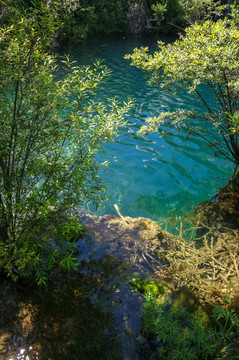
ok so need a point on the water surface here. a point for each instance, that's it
(151, 176)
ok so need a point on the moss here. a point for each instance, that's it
(153, 286)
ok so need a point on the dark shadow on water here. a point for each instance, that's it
(81, 315)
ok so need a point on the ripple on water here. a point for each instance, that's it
(179, 163)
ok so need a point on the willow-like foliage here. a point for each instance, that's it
(50, 131)
(204, 62)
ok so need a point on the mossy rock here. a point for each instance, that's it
(154, 287)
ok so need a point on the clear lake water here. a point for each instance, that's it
(149, 176)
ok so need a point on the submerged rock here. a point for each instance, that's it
(137, 241)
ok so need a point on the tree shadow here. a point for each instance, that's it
(73, 317)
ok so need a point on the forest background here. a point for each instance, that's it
(81, 18)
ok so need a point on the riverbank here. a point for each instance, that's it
(94, 311)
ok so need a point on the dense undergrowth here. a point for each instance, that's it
(178, 334)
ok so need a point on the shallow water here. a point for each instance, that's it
(92, 313)
(149, 176)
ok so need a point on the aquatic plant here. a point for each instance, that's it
(208, 265)
(178, 334)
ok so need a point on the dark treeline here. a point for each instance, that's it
(80, 18)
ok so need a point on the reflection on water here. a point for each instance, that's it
(26, 354)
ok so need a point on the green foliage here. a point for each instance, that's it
(183, 335)
(82, 18)
(78, 19)
(110, 15)
(199, 10)
(50, 131)
(169, 15)
(158, 12)
(204, 61)
(236, 13)
(225, 331)
(180, 334)
(172, 16)
(154, 287)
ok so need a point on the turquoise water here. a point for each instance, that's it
(149, 176)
